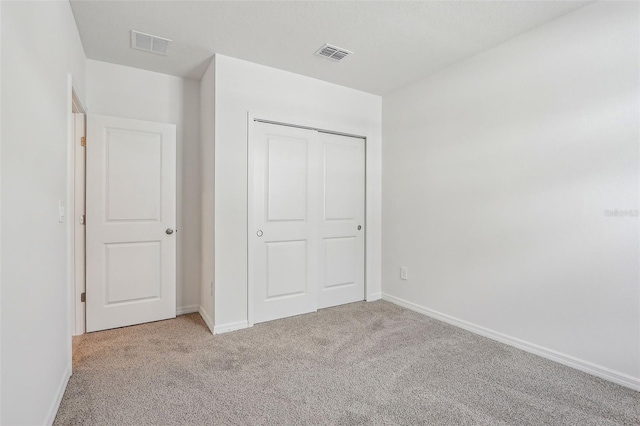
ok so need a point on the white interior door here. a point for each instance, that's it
(284, 238)
(130, 221)
(342, 222)
(307, 201)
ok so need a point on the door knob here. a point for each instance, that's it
(359, 227)
(259, 233)
(169, 231)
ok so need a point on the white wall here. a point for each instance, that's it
(134, 93)
(242, 87)
(207, 153)
(0, 210)
(497, 174)
(40, 47)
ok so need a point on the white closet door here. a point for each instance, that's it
(284, 238)
(342, 223)
(131, 216)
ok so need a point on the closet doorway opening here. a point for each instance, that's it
(306, 219)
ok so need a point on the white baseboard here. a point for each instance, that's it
(206, 318)
(232, 326)
(373, 297)
(51, 416)
(182, 310)
(570, 361)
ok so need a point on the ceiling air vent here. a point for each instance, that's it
(333, 52)
(149, 43)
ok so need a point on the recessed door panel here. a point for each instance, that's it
(340, 264)
(287, 178)
(133, 272)
(342, 192)
(133, 175)
(286, 269)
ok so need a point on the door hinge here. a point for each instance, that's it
(83, 141)
(83, 297)
(82, 219)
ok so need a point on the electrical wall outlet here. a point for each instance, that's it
(403, 272)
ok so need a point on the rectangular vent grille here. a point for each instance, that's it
(333, 52)
(149, 43)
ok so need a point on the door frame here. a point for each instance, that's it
(79, 250)
(76, 308)
(252, 118)
(74, 106)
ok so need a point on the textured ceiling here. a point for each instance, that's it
(394, 43)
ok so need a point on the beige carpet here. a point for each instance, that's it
(359, 364)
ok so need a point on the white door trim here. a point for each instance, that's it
(74, 105)
(252, 117)
(76, 209)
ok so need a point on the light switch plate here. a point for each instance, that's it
(403, 272)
